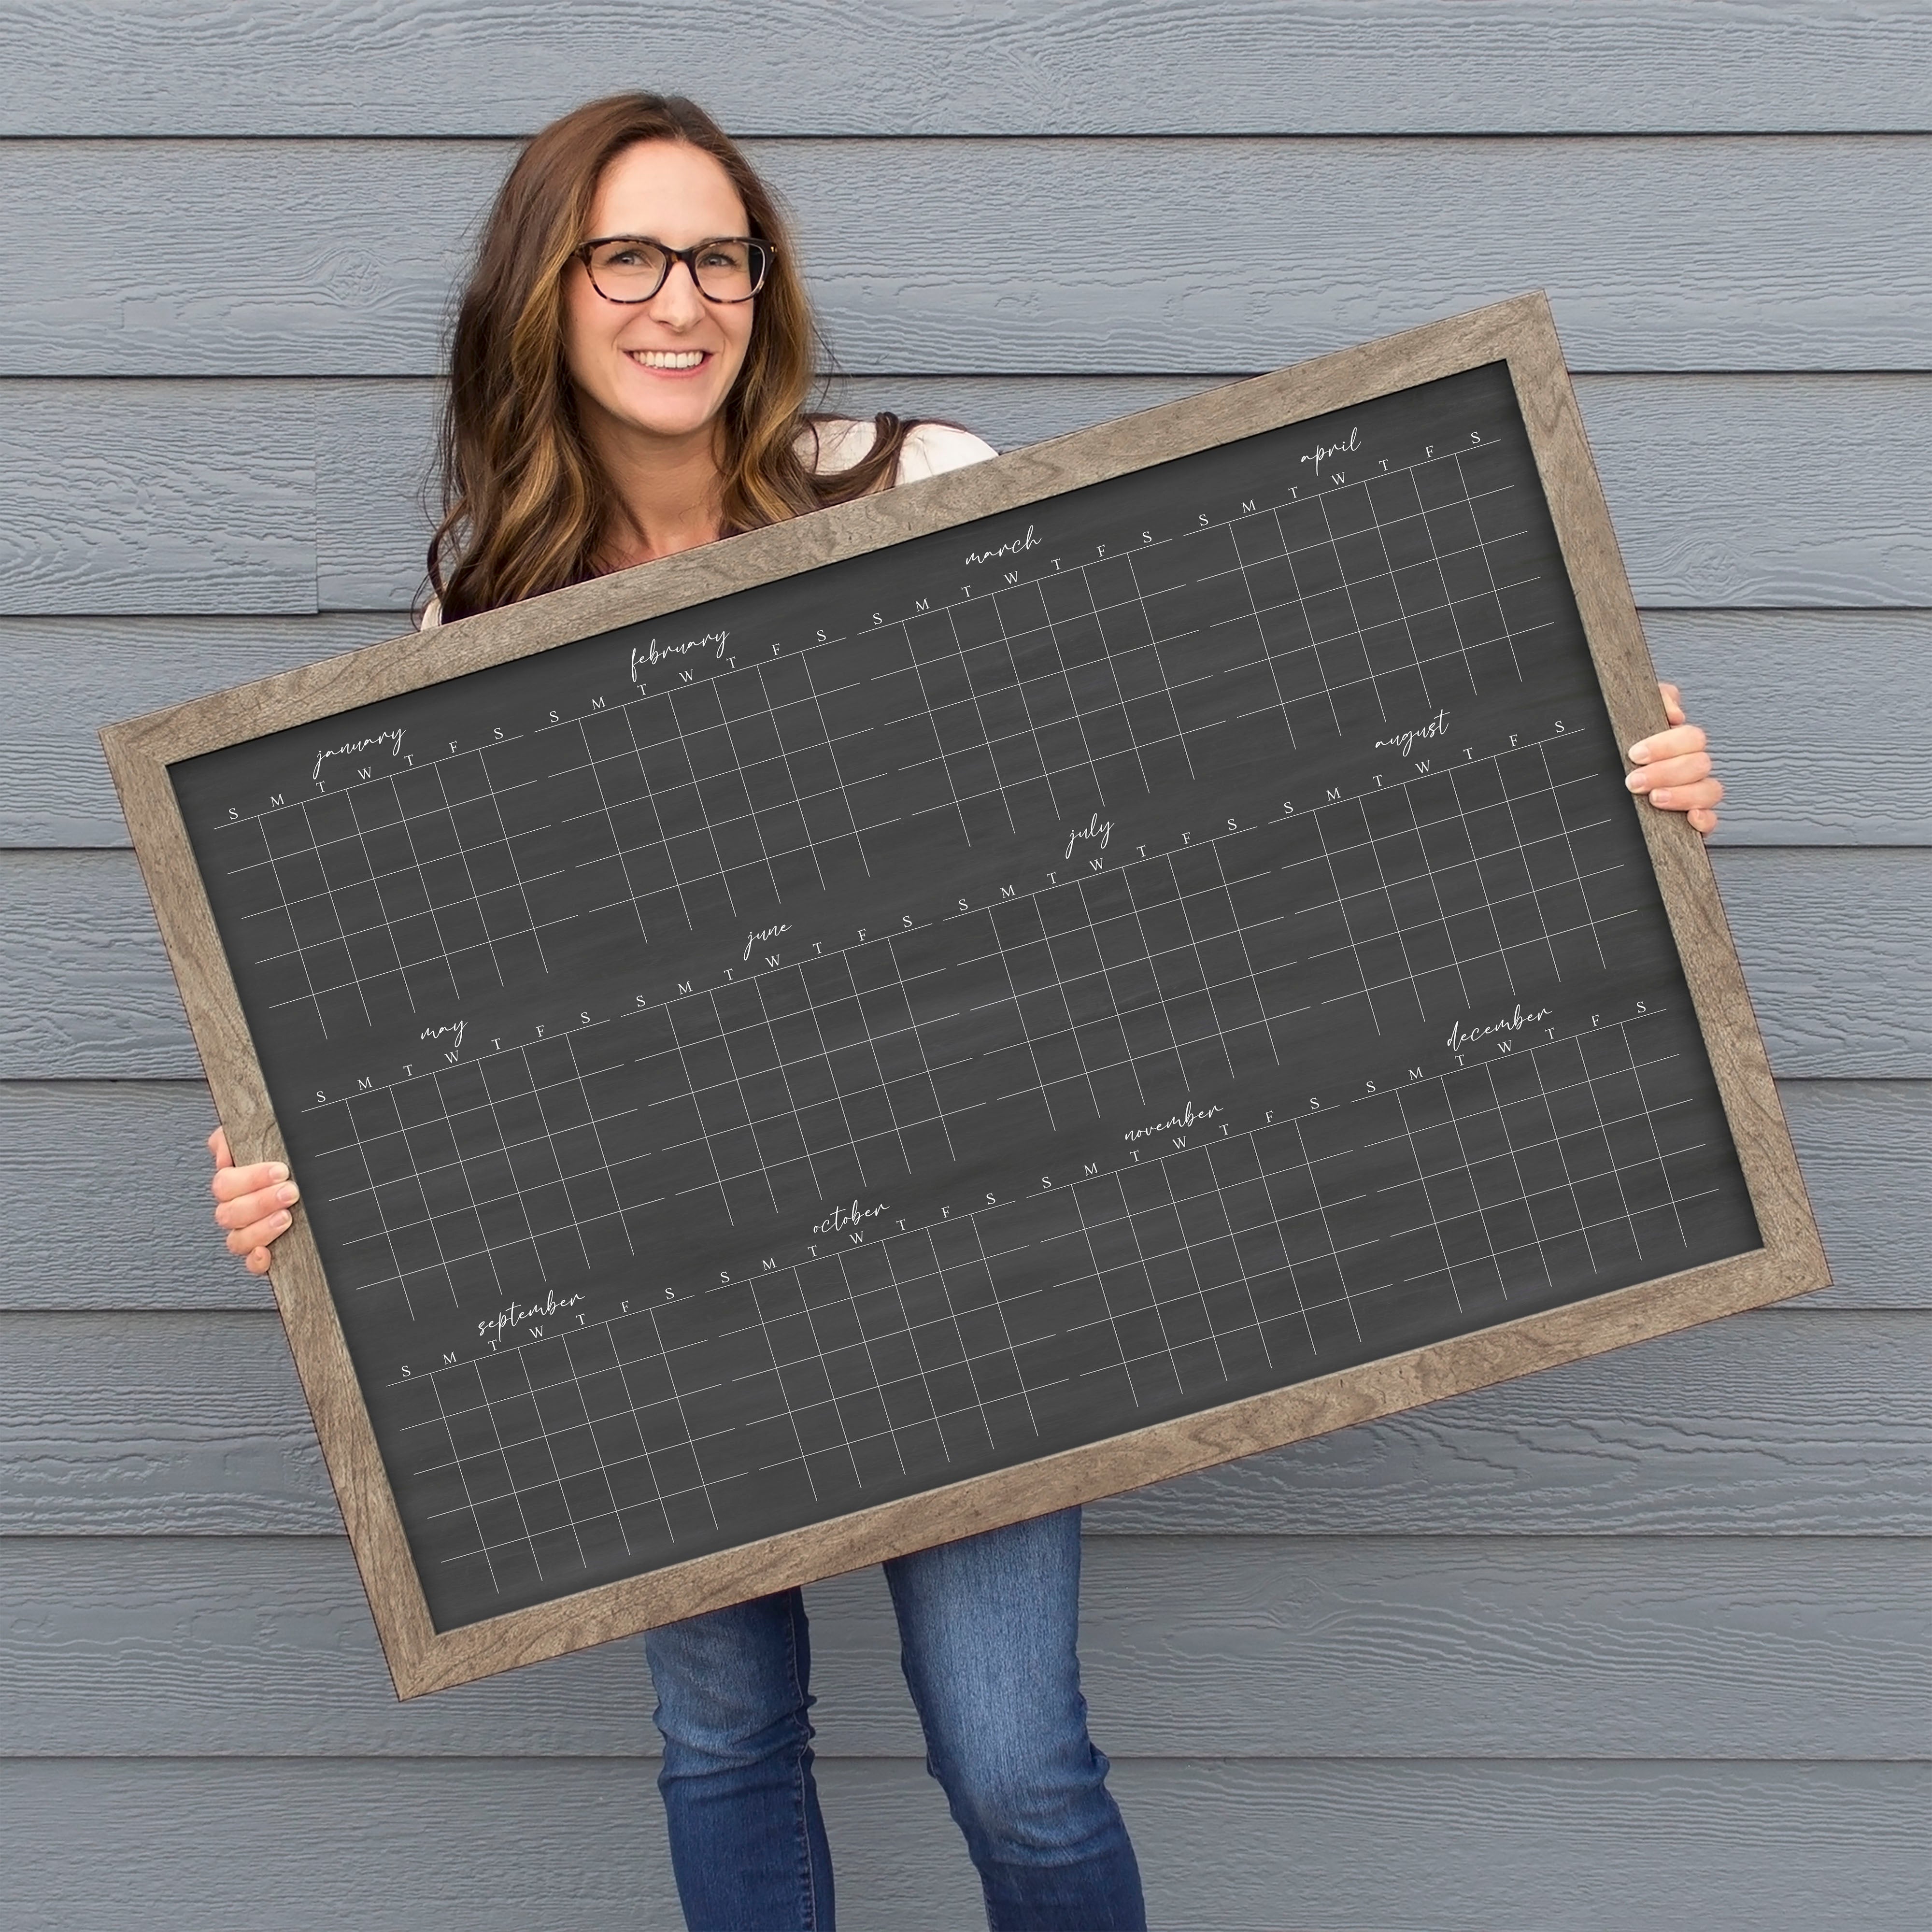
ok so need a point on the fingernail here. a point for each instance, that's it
(286, 1195)
(277, 1171)
(1639, 751)
(1662, 799)
(279, 1221)
(1636, 781)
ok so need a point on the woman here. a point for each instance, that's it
(629, 369)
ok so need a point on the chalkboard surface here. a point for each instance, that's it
(1056, 974)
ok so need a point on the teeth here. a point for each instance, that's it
(666, 358)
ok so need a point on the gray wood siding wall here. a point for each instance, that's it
(1634, 1645)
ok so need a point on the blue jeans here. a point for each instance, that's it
(987, 1632)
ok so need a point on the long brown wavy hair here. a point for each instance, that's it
(525, 506)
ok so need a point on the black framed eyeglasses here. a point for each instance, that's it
(633, 268)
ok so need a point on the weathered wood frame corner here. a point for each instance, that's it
(422, 1658)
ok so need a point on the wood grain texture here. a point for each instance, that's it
(1778, 1423)
(91, 523)
(280, 258)
(1832, 942)
(1866, 1147)
(899, 68)
(1770, 490)
(1454, 1846)
(1249, 1647)
(1796, 703)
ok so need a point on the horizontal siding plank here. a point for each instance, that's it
(119, 1425)
(1835, 958)
(93, 517)
(204, 1846)
(327, 258)
(126, 1425)
(1245, 1647)
(1763, 1425)
(148, 1137)
(1740, 491)
(66, 677)
(86, 989)
(1832, 941)
(1866, 1147)
(1095, 66)
(1820, 719)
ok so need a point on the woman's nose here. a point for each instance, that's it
(678, 302)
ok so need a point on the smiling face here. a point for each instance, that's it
(657, 373)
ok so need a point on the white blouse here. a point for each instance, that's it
(930, 449)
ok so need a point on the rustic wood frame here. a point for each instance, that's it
(1792, 1262)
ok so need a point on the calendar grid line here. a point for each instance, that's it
(1306, 1310)
(892, 1431)
(622, 852)
(932, 711)
(785, 755)
(1224, 523)
(928, 710)
(1160, 664)
(1482, 549)
(1434, 876)
(1585, 1227)
(1234, 1249)
(1330, 688)
(1369, 988)
(523, 885)
(872, 1039)
(535, 928)
(1190, 1249)
(1212, 839)
(824, 726)
(1354, 614)
(1075, 710)
(784, 1074)
(924, 1373)
(1648, 1113)
(1289, 552)
(1127, 1362)
(1000, 1304)
(469, 1495)
(1336, 1248)
(335, 914)
(1434, 1225)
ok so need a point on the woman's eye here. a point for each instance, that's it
(723, 258)
(627, 256)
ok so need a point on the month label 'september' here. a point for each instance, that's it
(1036, 980)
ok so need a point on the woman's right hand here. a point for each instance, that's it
(252, 1203)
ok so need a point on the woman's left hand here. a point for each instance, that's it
(1675, 769)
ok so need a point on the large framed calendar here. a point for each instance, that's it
(970, 1001)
